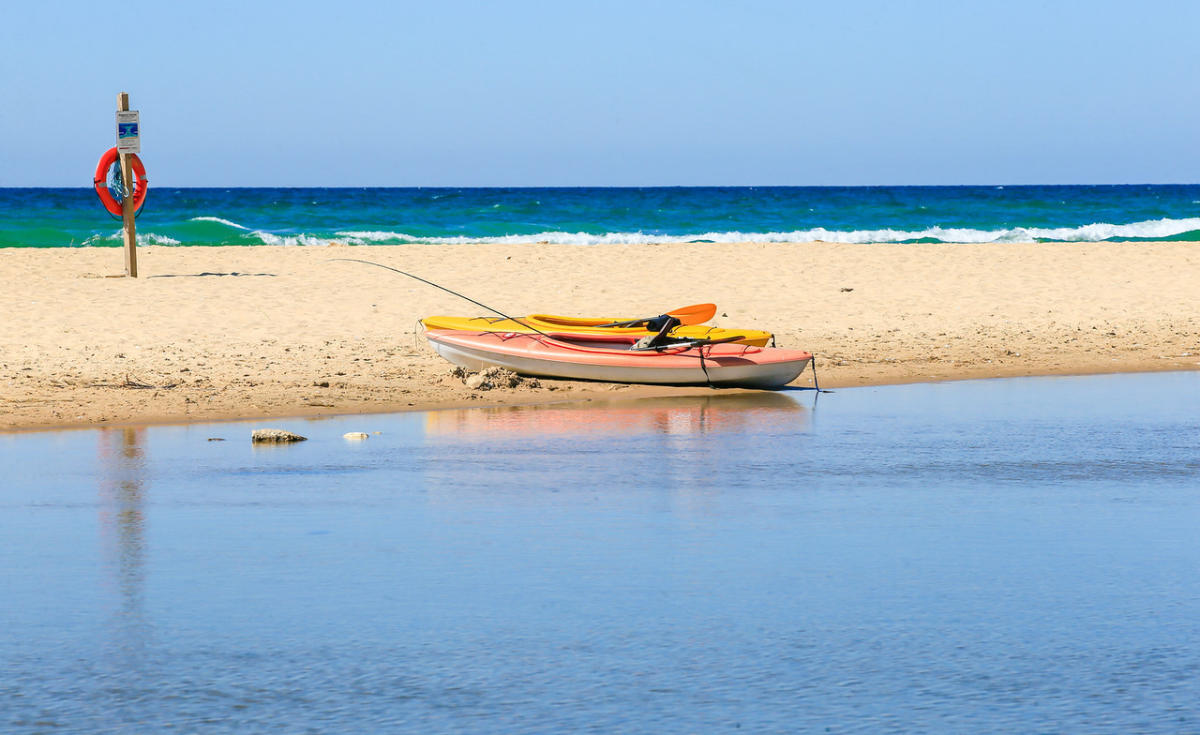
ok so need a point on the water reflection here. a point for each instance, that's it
(666, 416)
(995, 556)
(122, 464)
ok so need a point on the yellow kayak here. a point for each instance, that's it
(578, 325)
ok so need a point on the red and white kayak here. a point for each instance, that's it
(613, 359)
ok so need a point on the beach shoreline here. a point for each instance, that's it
(226, 333)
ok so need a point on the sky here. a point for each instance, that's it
(610, 93)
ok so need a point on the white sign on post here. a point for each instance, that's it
(128, 135)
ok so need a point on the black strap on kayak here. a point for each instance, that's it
(816, 385)
(707, 379)
(699, 344)
(663, 324)
(677, 342)
(637, 322)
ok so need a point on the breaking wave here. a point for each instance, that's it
(143, 238)
(218, 220)
(199, 233)
(1162, 229)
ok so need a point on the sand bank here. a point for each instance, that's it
(227, 332)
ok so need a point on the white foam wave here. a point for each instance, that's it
(219, 220)
(143, 238)
(1162, 229)
(1150, 229)
(268, 238)
(150, 238)
(1155, 229)
(362, 237)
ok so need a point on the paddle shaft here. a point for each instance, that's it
(687, 316)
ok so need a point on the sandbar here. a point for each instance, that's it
(217, 333)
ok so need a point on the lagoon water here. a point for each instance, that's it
(989, 556)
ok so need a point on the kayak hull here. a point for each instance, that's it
(610, 359)
(550, 323)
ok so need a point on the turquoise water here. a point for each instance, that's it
(74, 217)
(985, 557)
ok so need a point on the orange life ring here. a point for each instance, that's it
(100, 181)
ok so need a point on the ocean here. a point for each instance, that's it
(380, 216)
(992, 556)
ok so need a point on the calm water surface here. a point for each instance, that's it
(996, 556)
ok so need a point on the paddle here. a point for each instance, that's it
(694, 314)
(688, 344)
(687, 316)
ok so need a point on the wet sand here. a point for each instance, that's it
(225, 332)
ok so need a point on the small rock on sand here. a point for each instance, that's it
(477, 382)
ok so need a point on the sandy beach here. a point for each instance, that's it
(247, 332)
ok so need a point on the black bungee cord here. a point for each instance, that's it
(454, 293)
(816, 385)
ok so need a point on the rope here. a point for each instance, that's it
(707, 379)
(453, 293)
(116, 186)
(116, 181)
(418, 330)
(816, 385)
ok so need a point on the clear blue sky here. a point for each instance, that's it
(521, 93)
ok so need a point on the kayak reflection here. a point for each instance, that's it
(693, 414)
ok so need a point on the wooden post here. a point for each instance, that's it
(127, 210)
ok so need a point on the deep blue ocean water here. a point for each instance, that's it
(978, 557)
(74, 217)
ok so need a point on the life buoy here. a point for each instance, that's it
(100, 181)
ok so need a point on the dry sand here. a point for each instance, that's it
(229, 332)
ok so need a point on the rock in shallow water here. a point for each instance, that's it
(275, 436)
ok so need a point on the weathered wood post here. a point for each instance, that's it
(125, 146)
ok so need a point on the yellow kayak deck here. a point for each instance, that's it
(579, 325)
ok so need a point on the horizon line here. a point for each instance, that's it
(620, 186)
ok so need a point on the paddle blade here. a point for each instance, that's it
(694, 314)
